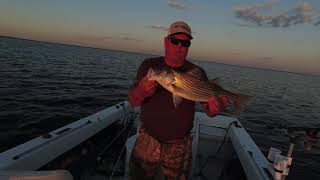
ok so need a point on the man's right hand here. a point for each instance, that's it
(148, 87)
(145, 88)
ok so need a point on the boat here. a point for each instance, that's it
(221, 149)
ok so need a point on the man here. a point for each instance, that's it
(163, 139)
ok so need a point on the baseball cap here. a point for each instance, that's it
(180, 27)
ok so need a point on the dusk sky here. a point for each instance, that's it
(279, 34)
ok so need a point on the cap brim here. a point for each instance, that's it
(181, 33)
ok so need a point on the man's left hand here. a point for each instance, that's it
(216, 104)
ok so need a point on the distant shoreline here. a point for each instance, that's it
(209, 61)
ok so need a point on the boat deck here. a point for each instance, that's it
(217, 164)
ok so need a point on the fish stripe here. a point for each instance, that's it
(196, 72)
(202, 86)
(188, 79)
(194, 82)
(215, 88)
(195, 90)
(185, 94)
(194, 87)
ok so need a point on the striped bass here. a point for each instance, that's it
(181, 84)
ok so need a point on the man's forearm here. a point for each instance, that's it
(135, 96)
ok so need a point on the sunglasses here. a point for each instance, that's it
(184, 43)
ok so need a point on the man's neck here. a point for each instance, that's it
(174, 65)
(177, 68)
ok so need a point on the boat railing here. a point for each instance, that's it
(254, 163)
(37, 152)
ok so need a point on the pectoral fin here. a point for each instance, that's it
(176, 100)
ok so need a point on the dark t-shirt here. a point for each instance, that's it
(159, 117)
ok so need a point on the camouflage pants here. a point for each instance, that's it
(149, 156)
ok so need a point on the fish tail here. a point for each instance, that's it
(240, 101)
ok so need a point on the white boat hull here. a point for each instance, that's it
(208, 134)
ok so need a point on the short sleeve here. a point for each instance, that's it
(143, 69)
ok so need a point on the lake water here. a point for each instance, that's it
(44, 86)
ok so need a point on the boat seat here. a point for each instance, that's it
(36, 175)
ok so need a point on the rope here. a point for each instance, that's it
(129, 127)
(121, 132)
(109, 145)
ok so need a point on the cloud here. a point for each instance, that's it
(177, 5)
(161, 27)
(250, 13)
(302, 13)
